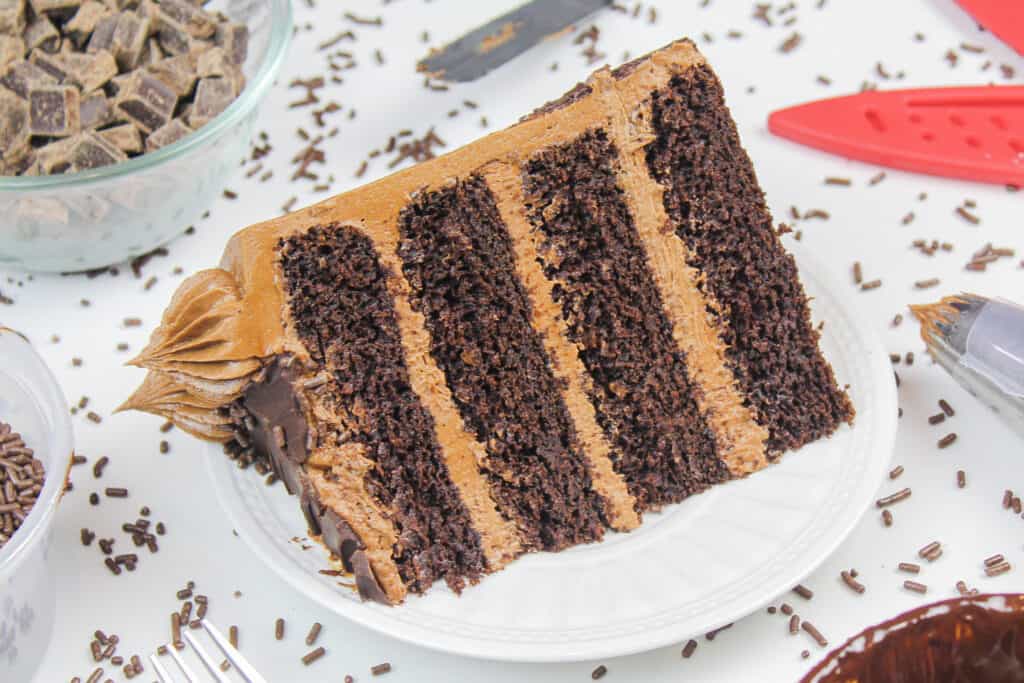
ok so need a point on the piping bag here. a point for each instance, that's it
(980, 342)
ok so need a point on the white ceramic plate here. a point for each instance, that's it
(694, 567)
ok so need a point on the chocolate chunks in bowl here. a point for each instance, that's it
(115, 79)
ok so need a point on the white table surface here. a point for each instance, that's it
(844, 40)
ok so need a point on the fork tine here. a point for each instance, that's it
(234, 656)
(160, 670)
(207, 659)
(189, 676)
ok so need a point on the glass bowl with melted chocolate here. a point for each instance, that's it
(965, 640)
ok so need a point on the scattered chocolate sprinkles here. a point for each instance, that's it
(896, 471)
(887, 517)
(947, 440)
(794, 624)
(967, 215)
(902, 494)
(791, 43)
(910, 567)
(994, 560)
(380, 669)
(689, 649)
(915, 586)
(803, 591)
(850, 581)
(946, 408)
(313, 655)
(997, 569)
(598, 673)
(711, 635)
(314, 633)
(961, 479)
(937, 418)
(814, 633)
(279, 629)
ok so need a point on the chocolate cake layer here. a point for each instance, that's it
(458, 260)
(641, 390)
(344, 315)
(717, 208)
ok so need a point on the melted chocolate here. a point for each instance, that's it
(972, 642)
(271, 403)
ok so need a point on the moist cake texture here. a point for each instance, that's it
(515, 347)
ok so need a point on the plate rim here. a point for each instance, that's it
(374, 617)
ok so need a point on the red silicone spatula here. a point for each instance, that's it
(976, 133)
(1004, 18)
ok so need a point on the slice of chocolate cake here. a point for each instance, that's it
(514, 347)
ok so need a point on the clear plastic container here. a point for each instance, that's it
(85, 220)
(32, 403)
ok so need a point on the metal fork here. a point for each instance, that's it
(234, 656)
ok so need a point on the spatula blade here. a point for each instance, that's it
(495, 43)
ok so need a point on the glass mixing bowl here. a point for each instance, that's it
(85, 220)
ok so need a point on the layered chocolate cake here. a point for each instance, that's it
(514, 347)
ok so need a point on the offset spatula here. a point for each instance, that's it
(1004, 18)
(495, 43)
(975, 133)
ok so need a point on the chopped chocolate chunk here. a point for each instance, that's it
(102, 37)
(197, 22)
(168, 133)
(12, 16)
(173, 38)
(81, 26)
(129, 39)
(51, 64)
(90, 71)
(14, 126)
(178, 73)
(42, 34)
(213, 95)
(92, 151)
(94, 111)
(234, 38)
(53, 111)
(125, 137)
(12, 48)
(22, 76)
(147, 101)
